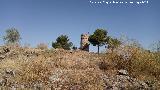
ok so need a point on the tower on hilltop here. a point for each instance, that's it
(84, 44)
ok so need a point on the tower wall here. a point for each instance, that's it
(84, 45)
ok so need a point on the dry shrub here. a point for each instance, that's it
(15, 65)
(109, 61)
(89, 79)
(74, 64)
(36, 71)
(42, 46)
(146, 64)
(73, 60)
(137, 61)
(9, 70)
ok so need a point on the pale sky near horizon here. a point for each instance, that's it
(42, 21)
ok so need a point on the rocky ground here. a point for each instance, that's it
(57, 69)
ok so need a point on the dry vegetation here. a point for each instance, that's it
(58, 69)
(140, 63)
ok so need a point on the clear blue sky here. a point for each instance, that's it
(44, 20)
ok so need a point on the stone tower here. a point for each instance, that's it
(84, 45)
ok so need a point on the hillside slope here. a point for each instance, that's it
(59, 69)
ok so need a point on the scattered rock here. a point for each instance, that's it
(76, 87)
(10, 72)
(38, 86)
(56, 76)
(122, 72)
(6, 49)
(2, 56)
(3, 82)
(123, 82)
(103, 65)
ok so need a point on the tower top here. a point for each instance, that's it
(84, 45)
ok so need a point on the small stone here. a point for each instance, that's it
(71, 52)
(2, 82)
(13, 88)
(10, 71)
(122, 72)
(6, 49)
(2, 56)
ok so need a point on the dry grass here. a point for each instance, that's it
(80, 70)
(138, 62)
(36, 71)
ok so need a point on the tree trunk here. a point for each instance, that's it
(98, 49)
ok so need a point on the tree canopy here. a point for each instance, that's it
(62, 42)
(98, 38)
(12, 36)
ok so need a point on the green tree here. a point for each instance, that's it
(62, 42)
(98, 38)
(12, 36)
(113, 43)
